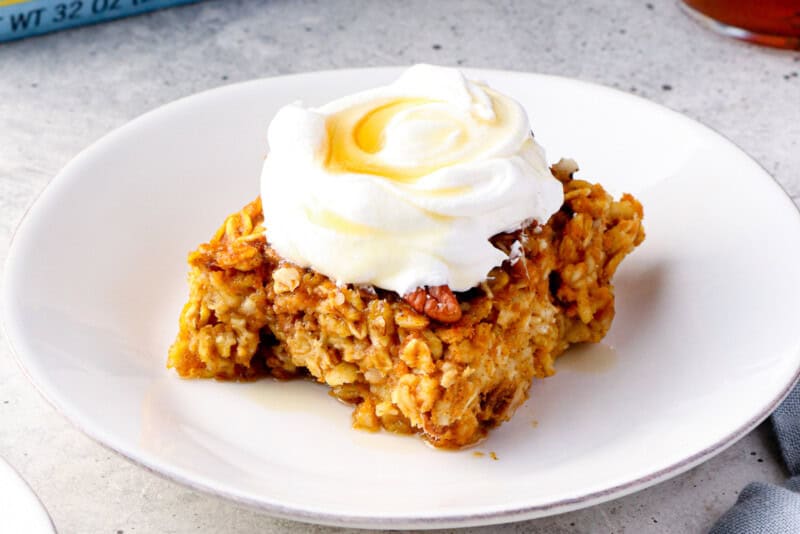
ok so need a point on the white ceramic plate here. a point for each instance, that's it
(21, 509)
(705, 343)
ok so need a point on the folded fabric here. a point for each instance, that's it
(786, 421)
(766, 508)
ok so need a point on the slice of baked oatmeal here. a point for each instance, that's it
(447, 366)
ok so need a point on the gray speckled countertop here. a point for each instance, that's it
(60, 92)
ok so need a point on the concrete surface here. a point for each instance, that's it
(60, 92)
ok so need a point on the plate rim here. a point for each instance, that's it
(517, 513)
(31, 495)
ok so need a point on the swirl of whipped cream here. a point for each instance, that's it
(402, 186)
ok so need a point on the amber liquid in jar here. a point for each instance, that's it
(770, 22)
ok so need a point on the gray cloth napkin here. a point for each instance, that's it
(765, 508)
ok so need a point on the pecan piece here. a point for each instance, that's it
(416, 299)
(437, 302)
(519, 269)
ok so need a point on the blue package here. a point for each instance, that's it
(23, 18)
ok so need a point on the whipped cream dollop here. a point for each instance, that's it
(403, 185)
